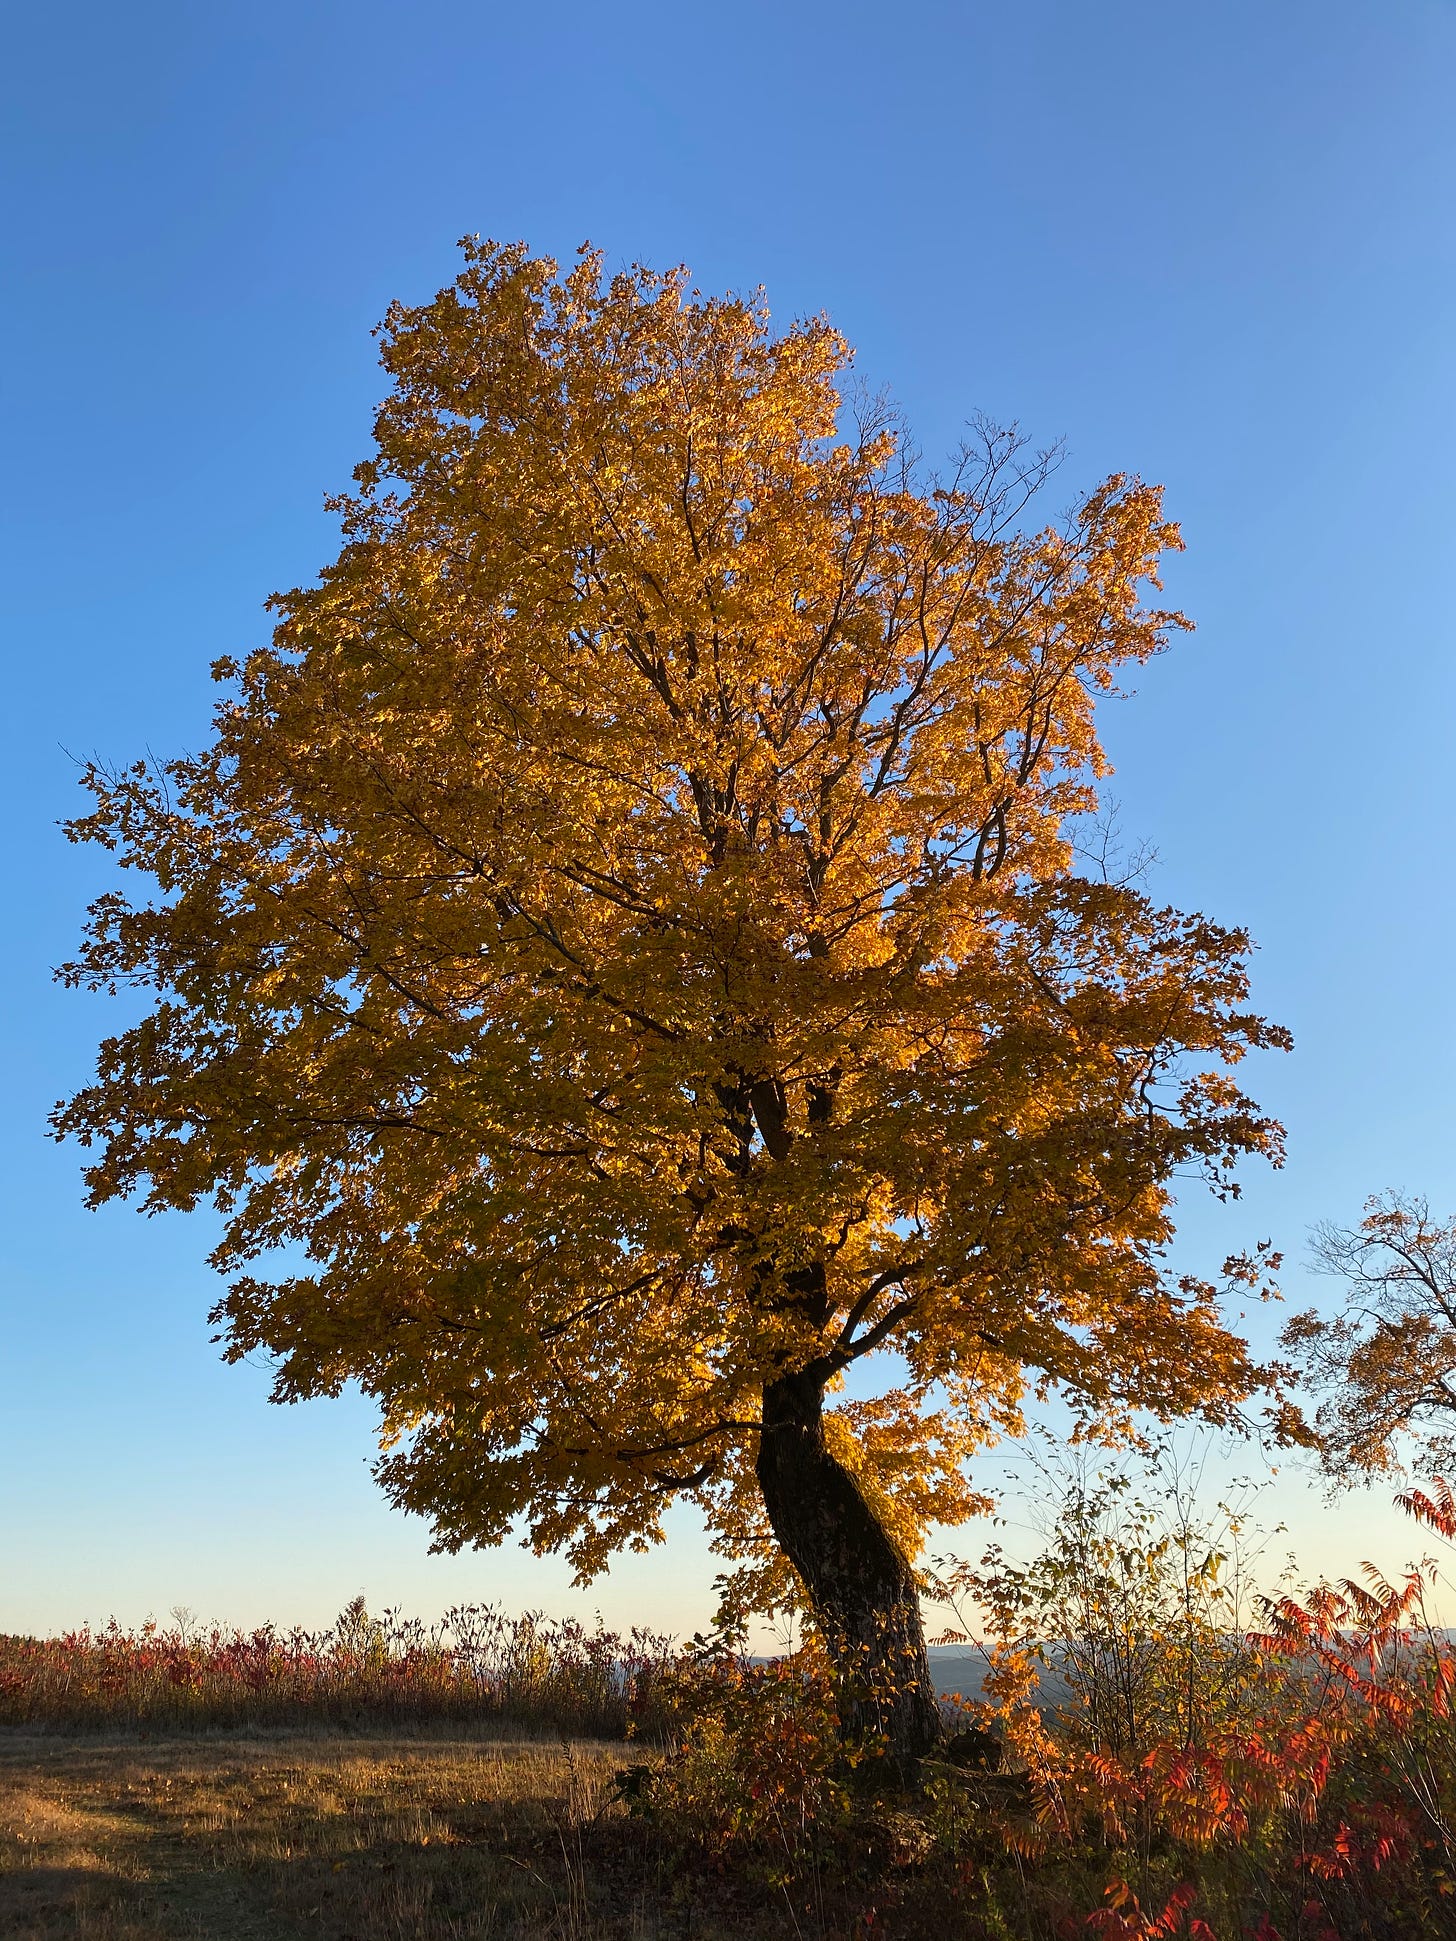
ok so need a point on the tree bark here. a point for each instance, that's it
(859, 1582)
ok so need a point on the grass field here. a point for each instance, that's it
(266, 1836)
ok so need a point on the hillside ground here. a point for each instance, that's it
(262, 1836)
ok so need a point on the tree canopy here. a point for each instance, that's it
(626, 930)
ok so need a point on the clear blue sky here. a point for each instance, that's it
(1212, 244)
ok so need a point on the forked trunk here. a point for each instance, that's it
(859, 1581)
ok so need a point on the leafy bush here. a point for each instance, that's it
(1183, 1755)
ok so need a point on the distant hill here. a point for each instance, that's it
(956, 1668)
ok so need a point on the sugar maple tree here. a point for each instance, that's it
(625, 930)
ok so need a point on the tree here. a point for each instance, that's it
(1385, 1364)
(626, 930)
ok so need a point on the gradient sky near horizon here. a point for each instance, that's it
(1212, 244)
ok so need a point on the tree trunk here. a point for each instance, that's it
(859, 1582)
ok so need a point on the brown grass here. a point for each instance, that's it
(231, 1837)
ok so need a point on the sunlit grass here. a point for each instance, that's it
(309, 1834)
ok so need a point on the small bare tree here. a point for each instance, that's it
(1385, 1366)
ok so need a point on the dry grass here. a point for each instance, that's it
(230, 1837)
